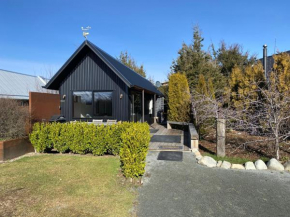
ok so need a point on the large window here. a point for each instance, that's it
(83, 103)
(103, 104)
(89, 104)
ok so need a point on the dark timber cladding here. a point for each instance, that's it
(90, 73)
(103, 86)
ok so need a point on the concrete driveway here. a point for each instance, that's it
(185, 188)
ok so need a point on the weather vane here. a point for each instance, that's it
(85, 31)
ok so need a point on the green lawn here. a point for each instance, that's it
(234, 160)
(64, 185)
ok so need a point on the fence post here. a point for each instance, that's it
(221, 137)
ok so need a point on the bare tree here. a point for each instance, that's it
(265, 113)
(13, 119)
(268, 115)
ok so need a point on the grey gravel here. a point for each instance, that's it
(173, 188)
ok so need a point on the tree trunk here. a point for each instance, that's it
(277, 142)
(277, 148)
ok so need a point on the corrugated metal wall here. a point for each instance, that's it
(90, 73)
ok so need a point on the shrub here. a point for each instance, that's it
(178, 98)
(57, 136)
(129, 140)
(135, 139)
(13, 119)
(79, 144)
(114, 140)
(98, 145)
(40, 138)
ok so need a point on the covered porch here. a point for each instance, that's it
(143, 106)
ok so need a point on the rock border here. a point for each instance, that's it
(272, 164)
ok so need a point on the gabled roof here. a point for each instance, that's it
(17, 86)
(130, 77)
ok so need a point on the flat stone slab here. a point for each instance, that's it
(167, 147)
(153, 130)
(170, 156)
(166, 138)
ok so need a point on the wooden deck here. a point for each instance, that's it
(164, 146)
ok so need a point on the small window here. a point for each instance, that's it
(103, 104)
(82, 105)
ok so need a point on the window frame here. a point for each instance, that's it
(93, 104)
(112, 103)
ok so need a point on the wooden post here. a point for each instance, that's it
(154, 108)
(221, 137)
(143, 102)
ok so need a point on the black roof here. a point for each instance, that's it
(130, 77)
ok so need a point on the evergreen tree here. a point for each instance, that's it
(227, 57)
(201, 86)
(244, 84)
(193, 61)
(178, 98)
(211, 91)
(127, 60)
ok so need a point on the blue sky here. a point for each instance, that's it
(39, 36)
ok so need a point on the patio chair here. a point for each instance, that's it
(97, 121)
(111, 122)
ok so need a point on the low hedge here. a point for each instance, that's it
(129, 140)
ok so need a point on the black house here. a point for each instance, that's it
(94, 85)
(268, 61)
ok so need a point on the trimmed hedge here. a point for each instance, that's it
(135, 146)
(129, 140)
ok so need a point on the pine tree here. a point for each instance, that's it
(201, 86)
(210, 89)
(193, 61)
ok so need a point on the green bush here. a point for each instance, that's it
(136, 140)
(56, 135)
(114, 140)
(40, 138)
(79, 143)
(98, 145)
(129, 140)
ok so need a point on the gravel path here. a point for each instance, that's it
(174, 188)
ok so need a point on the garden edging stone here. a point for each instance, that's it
(250, 166)
(238, 166)
(207, 161)
(272, 164)
(287, 166)
(260, 165)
